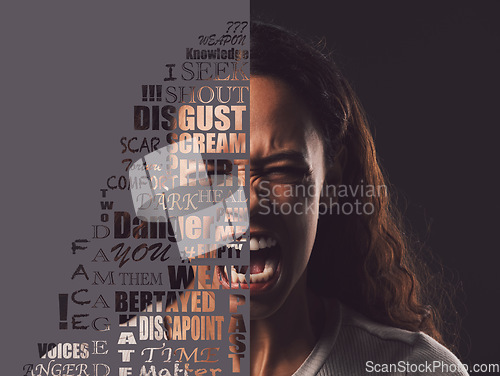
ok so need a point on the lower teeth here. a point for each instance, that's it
(264, 276)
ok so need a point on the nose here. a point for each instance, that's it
(254, 198)
(257, 198)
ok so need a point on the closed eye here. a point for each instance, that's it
(285, 174)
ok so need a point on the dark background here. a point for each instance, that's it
(427, 75)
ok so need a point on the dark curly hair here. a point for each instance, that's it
(365, 261)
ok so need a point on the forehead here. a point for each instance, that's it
(279, 120)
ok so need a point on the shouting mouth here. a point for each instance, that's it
(264, 266)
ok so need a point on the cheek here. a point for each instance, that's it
(301, 232)
(299, 201)
(304, 231)
(297, 208)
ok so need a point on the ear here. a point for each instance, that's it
(333, 175)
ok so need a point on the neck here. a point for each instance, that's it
(280, 343)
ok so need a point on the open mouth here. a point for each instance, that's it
(264, 266)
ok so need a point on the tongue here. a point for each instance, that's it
(257, 262)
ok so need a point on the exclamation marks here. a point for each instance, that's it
(158, 93)
(151, 93)
(63, 311)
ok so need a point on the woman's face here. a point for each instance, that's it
(287, 171)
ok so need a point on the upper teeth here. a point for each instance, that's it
(261, 243)
(264, 276)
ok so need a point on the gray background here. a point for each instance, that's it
(71, 74)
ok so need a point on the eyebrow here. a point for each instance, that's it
(287, 155)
